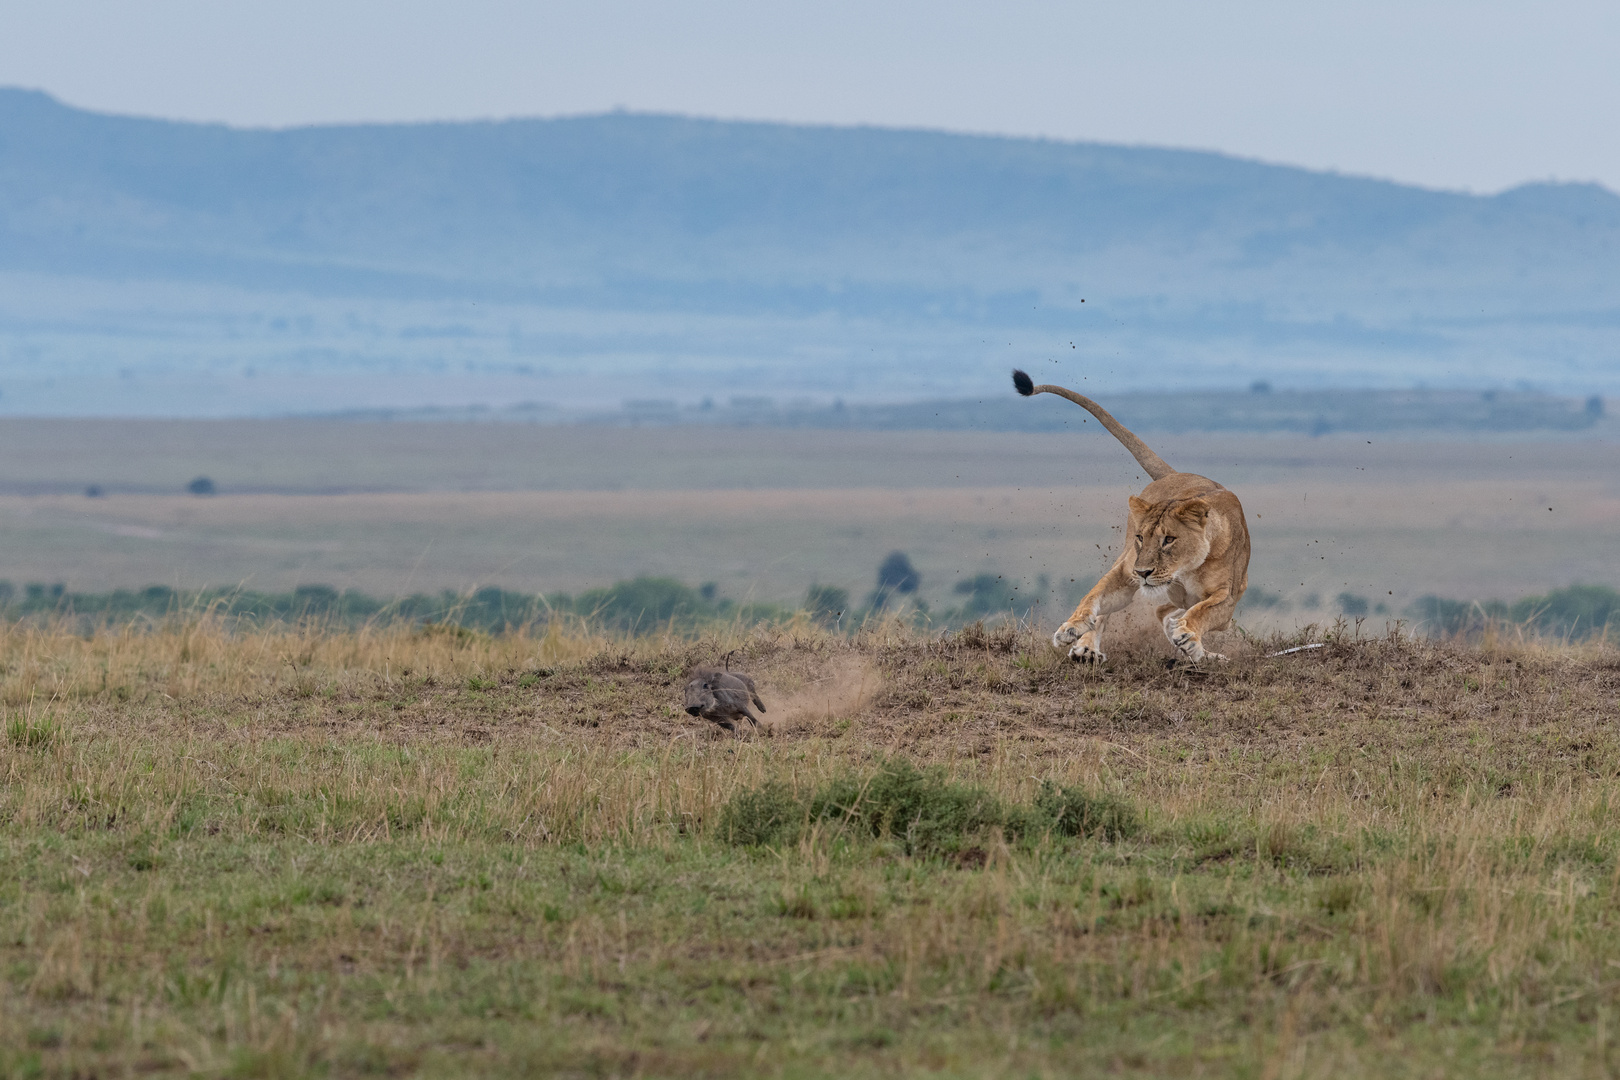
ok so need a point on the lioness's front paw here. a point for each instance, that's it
(1188, 645)
(1066, 635)
(1088, 650)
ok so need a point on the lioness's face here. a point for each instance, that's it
(1169, 538)
(699, 696)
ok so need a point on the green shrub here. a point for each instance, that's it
(986, 594)
(1068, 811)
(638, 606)
(1578, 612)
(1263, 599)
(642, 604)
(1352, 605)
(1447, 618)
(768, 814)
(919, 808)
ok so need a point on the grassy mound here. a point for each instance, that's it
(923, 811)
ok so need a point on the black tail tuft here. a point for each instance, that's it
(1023, 383)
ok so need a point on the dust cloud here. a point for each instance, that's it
(838, 691)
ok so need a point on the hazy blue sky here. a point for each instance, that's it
(1478, 94)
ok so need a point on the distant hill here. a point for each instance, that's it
(149, 266)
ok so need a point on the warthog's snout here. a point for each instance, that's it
(693, 710)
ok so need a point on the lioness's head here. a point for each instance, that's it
(1169, 538)
(699, 694)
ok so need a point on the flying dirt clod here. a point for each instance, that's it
(722, 696)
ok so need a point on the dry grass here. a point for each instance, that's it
(284, 852)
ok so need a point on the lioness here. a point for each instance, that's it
(1189, 547)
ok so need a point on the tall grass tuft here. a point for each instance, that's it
(29, 733)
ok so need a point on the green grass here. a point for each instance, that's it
(1383, 858)
(27, 731)
(270, 956)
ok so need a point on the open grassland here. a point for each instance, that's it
(1390, 544)
(407, 851)
(43, 456)
(1387, 541)
(392, 509)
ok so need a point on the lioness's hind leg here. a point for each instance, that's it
(1168, 614)
(1188, 644)
(1186, 630)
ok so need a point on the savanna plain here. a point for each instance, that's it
(420, 851)
(391, 508)
(397, 849)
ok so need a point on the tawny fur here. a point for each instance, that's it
(722, 696)
(1187, 544)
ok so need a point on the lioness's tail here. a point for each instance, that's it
(1153, 463)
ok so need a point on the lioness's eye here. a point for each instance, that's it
(1169, 540)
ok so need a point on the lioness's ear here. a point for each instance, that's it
(1193, 511)
(1139, 505)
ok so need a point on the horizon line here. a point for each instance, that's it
(825, 125)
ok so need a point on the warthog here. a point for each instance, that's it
(722, 696)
